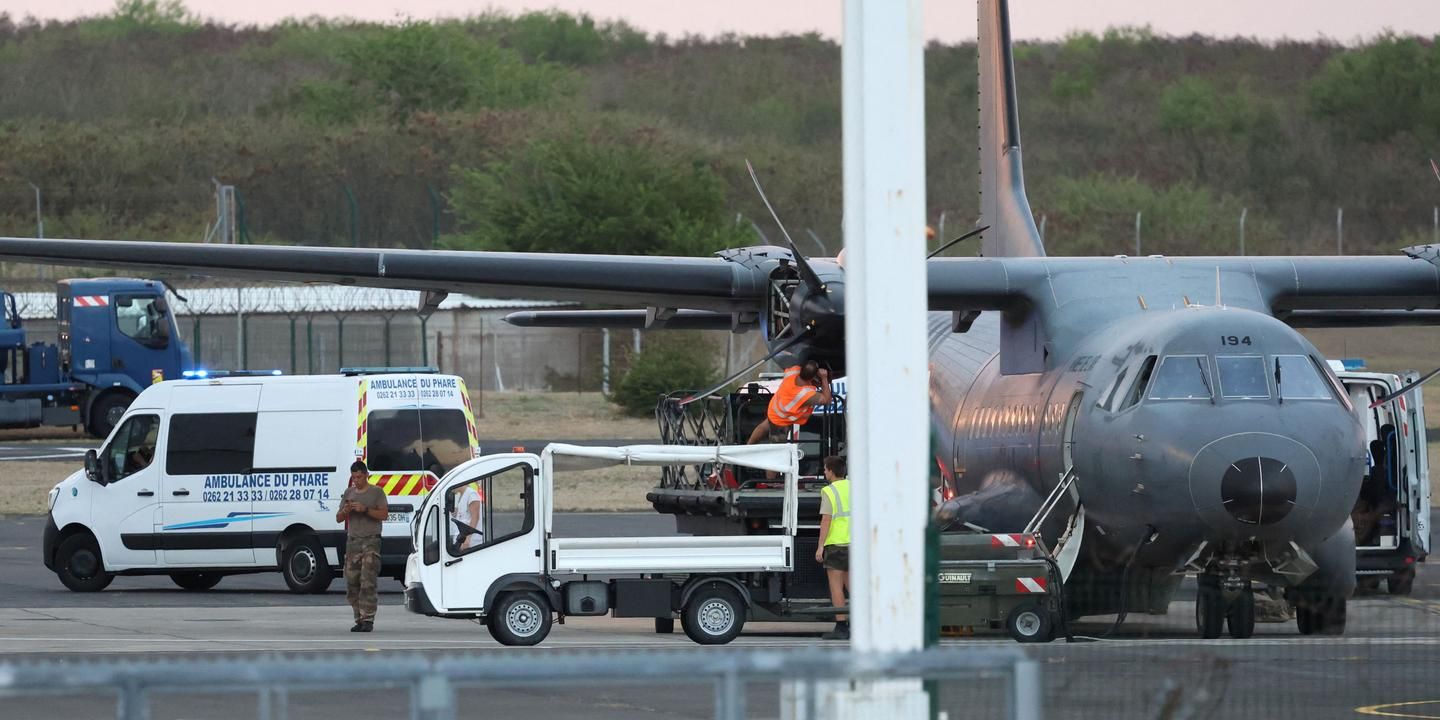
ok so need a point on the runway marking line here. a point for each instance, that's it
(1385, 709)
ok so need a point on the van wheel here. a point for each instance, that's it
(714, 615)
(196, 580)
(105, 414)
(78, 563)
(520, 618)
(303, 564)
(1030, 623)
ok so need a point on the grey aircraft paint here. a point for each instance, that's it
(1039, 365)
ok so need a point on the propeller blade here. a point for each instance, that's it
(952, 243)
(1423, 379)
(792, 342)
(807, 273)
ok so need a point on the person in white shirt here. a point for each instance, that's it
(465, 507)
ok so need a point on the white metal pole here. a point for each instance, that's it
(1243, 212)
(605, 361)
(1339, 231)
(883, 101)
(1137, 234)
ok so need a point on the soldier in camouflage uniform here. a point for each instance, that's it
(363, 509)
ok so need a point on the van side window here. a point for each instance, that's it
(133, 448)
(211, 444)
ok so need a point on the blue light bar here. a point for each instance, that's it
(1353, 363)
(387, 370)
(211, 374)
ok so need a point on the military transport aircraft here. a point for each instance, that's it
(1165, 407)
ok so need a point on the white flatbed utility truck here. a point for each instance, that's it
(513, 575)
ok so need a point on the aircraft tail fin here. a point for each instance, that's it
(1003, 205)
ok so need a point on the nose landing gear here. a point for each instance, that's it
(1224, 601)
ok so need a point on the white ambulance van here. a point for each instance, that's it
(1392, 514)
(214, 476)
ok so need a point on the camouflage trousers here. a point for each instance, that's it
(362, 570)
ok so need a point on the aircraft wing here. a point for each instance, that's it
(676, 282)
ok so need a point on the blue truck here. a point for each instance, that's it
(115, 337)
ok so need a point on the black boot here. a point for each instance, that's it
(841, 631)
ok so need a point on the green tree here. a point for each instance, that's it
(1193, 110)
(669, 362)
(631, 193)
(1388, 87)
(428, 67)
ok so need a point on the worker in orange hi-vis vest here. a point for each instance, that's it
(803, 388)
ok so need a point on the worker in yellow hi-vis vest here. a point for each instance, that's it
(834, 551)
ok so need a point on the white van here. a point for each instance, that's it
(1392, 514)
(217, 476)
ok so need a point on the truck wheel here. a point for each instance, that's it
(105, 414)
(1030, 623)
(196, 580)
(303, 564)
(664, 626)
(1401, 583)
(520, 618)
(714, 615)
(78, 563)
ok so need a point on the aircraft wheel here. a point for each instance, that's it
(1401, 583)
(1320, 616)
(1209, 609)
(1030, 623)
(1241, 616)
(520, 618)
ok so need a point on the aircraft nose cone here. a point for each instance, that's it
(1258, 490)
(1254, 484)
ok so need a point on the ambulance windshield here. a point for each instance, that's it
(417, 440)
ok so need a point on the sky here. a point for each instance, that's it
(1344, 21)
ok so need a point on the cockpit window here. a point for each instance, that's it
(1243, 377)
(1297, 379)
(1181, 377)
(1142, 380)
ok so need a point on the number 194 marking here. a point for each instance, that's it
(1234, 340)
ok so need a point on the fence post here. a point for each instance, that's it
(339, 341)
(605, 361)
(310, 344)
(387, 318)
(1025, 686)
(425, 341)
(1137, 234)
(432, 698)
(240, 350)
(293, 369)
(132, 704)
(354, 216)
(1339, 231)
(195, 343)
(1435, 228)
(434, 216)
(1243, 212)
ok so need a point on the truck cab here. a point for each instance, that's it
(1392, 513)
(117, 336)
